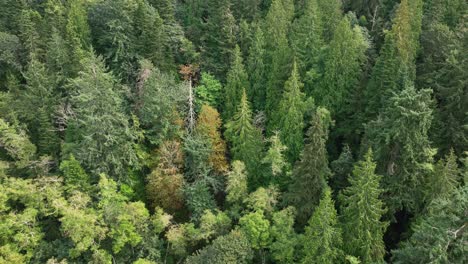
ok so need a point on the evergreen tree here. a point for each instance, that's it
(291, 116)
(445, 178)
(330, 14)
(257, 70)
(397, 57)
(78, 33)
(237, 81)
(362, 212)
(307, 41)
(322, 239)
(151, 36)
(342, 66)
(279, 59)
(311, 171)
(75, 176)
(245, 139)
(100, 135)
(275, 159)
(403, 151)
(285, 240)
(219, 37)
(342, 169)
(440, 235)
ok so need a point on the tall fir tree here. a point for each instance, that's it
(322, 239)
(219, 38)
(397, 56)
(307, 42)
(311, 171)
(445, 178)
(279, 59)
(342, 66)
(78, 34)
(330, 14)
(404, 154)
(99, 135)
(245, 140)
(256, 68)
(362, 213)
(291, 116)
(237, 81)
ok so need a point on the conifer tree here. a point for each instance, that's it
(307, 40)
(341, 168)
(275, 159)
(237, 81)
(291, 116)
(245, 139)
(219, 37)
(257, 70)
(397, 57)
(404, 155)
(279, 59)
(311, 171)
(362, 211)
(445, 178)
(330, 14)
(342, 66)
(75, 176)
(78, 33)
(322, 239)
(100, 135)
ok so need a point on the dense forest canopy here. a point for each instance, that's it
(233, 131)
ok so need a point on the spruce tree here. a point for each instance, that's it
(78, 34)
(403, 151)
(311, 171)
(362, 211)
(342, 66)
(330, 14)
(445, 178)
(307, 41)
(237, 81)
(397, 57)
(279, 59)
(257, 70)
(100, 135)
(245, 140)
(322, 239)
(291, 116)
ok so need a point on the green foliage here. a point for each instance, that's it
(322, 239)
(236, 186)
(237, 81)
(404, 156)
(275, 160)
(74, 175)
(256, 228)
(16, 144)
(233, 248)
(102, 138)
(440, 234)
(208, 92)
(245, 139)
(311, 171)
(362, 211)
(199, 198)
(285, 240)
(257, 69)
(156, 101)
(445, 177)
(291, 116)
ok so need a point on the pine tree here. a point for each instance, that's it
(307, 41)
(291, 116)
(151, 36)
(279, 59)
(397, 57)
(440, 236)
(362, 211)
(102, 140)
(322, 239)
(78, 33)
(257, 70)
(311, 171)
(245, 139)
(237, 81)
(274, 158)
(404, 155)
(219, 38)
(330, 14)
(342, 66)
(445, 178)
